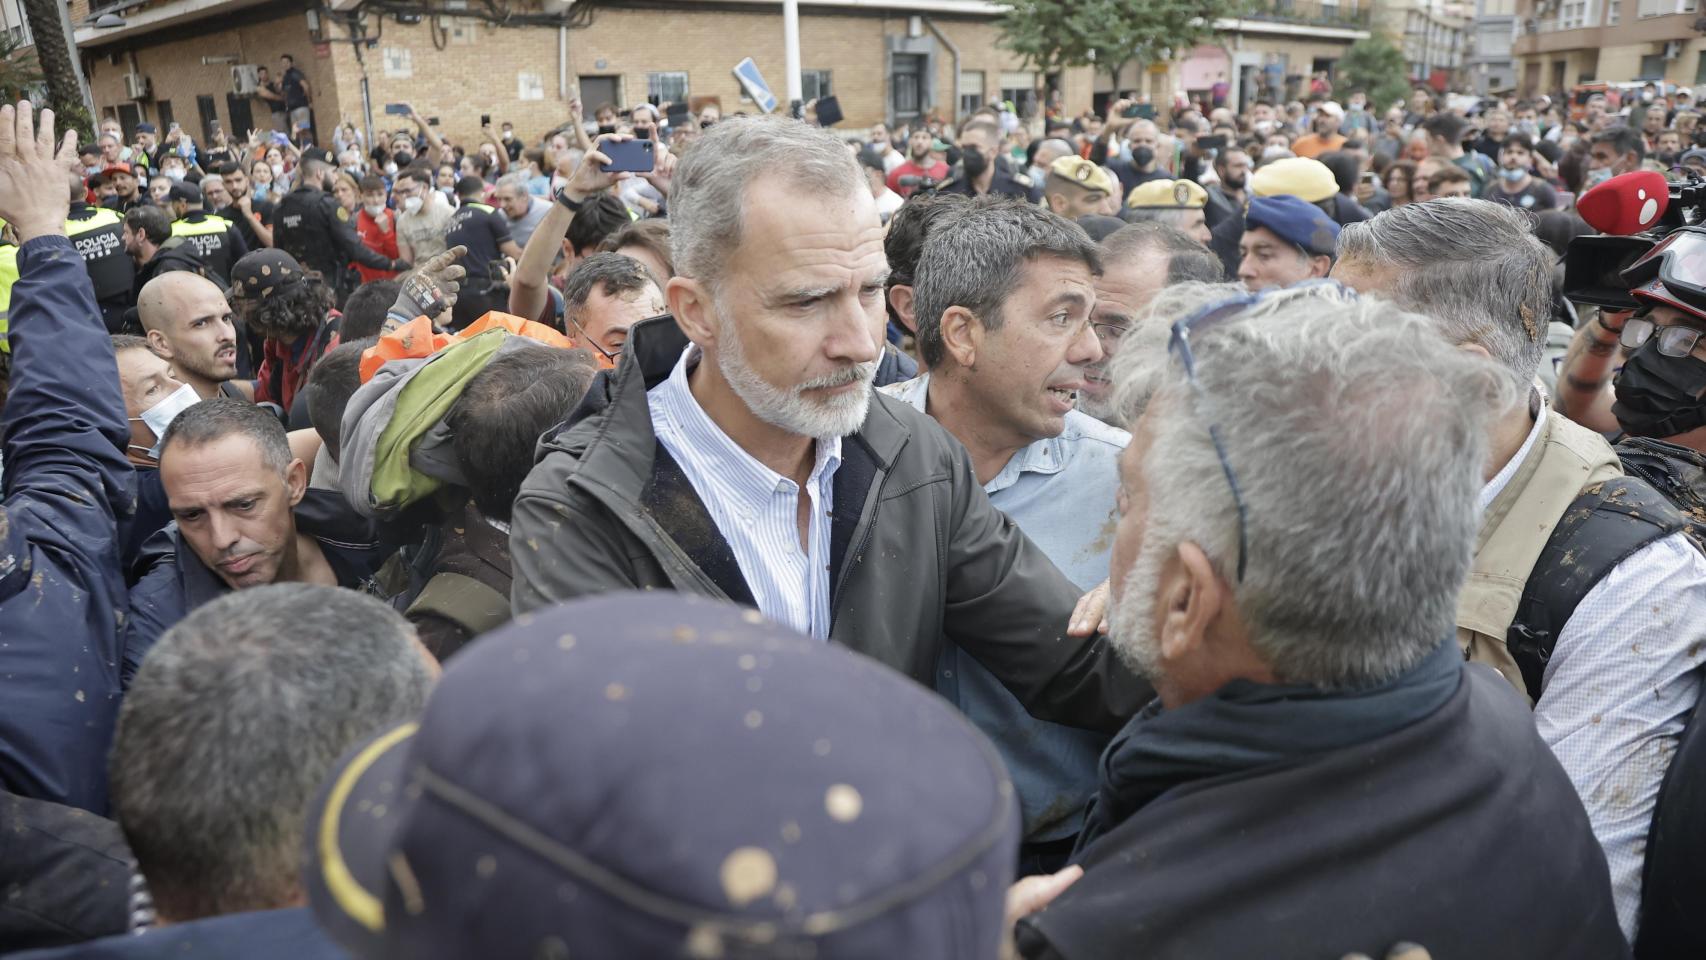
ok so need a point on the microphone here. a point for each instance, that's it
(1626, 204)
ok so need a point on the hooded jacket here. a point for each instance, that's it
(920, 555)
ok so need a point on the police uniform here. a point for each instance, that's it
(98, 235)
(215, 239)
(483, 231)
(8, 276)
(307, 227)
(1003, 184)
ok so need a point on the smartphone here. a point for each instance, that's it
(1212, 143)
(631, 156)
(829, 112)
(485, 120)
(1371, 178)
(432, 121)
(1131, 112)
(1144, 111)
(400, 109)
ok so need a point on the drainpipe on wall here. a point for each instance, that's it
(563, 63)
(953, 52)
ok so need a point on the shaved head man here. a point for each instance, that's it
(190, 326)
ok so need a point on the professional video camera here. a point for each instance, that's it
(924, 184)
(1653, 229)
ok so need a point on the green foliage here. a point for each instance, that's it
(1376, 68)
(20, 75)
(1052, 34)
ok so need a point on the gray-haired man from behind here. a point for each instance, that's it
(740, 452)
(1297, 517)
(1608, 644)
(238, 715)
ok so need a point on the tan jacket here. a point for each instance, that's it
(1565, 459)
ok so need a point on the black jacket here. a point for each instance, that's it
(918, 554)
(174, 255)
(1459, 832)
(307, 227)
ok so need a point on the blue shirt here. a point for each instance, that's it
(1061, 492)
(754, 507)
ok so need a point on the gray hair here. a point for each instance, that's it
(219, 417)
(708, 193)
(234, 720)
(1359, 474)
(1474, 266)
(1187, 260)
(517, 180)
(973, 259)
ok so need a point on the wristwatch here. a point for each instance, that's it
(573, 206)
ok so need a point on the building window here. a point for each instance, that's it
(814, 85)
(1652, 67)
(1572, 14)
(1020, 86)
(164, 108)
(906, 87)
(667, 87)
(971, 91)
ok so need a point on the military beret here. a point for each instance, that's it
(660, 775)
(1167, 194)
(1297, 222)
(1082, 173)
(1294, 176)
(261, 272)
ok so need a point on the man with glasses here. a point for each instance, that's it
(423, 216)
(605, 295)
(1003, 294)
(1297, 512)
(1586, 592)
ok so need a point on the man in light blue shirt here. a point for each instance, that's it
(1004, 293)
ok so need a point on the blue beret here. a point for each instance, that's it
(1296, 221)
(658, 775)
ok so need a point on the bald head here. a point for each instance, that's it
(1051, 150)
(190, 325)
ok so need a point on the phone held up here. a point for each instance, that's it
(629, 156)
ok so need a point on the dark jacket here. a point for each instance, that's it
(1005, 183)
(262, 935)
(67, 486)
(175, 254)
(66, 873)
(307, 227)
(1459, 832)
(172, 580)
(468, 592)
(917, 552)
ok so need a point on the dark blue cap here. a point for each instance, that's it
(651, 775)
(146, 127)
(1296, 221)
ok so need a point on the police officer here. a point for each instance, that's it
(983, 171)
(307, 227)
(485, 232)
(98, 235)
(214, 237)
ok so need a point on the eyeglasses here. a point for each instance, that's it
(1180, 343)
(1675, 340)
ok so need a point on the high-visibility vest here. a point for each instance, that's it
(8, 276)
(207, 237)
(99, 238)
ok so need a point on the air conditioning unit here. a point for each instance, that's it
(135, 87)
(245, 79)
(1673, 49)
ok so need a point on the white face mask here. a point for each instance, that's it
(277, 169)
(174, 173)
(374, 210)
(412, 205)
(160, 416)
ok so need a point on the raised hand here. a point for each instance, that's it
(33, 175)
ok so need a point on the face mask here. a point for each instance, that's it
(160, 416)
(1142, 156)
(642, 133)
(374, 210)
(402, 159)
(277, 169)
(509, 135)
(1512, 175)
(390, 169)
(173, 173)
(975, 163)
(605, 128)
(1597, 177)
(412, 205)
(1660, 396)
(1529, 127)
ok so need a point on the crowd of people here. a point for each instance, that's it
(1168, 531)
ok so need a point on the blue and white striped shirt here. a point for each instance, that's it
(754, 507)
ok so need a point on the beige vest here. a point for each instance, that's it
(1565, 459)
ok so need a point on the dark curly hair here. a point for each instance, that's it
(289, 311)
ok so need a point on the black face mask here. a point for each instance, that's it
(1142, 156)
(402, 160)
(975, 163)
(605, 128)
(642, 133)
(1660, 396)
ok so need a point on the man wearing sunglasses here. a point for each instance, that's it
(1586, 591)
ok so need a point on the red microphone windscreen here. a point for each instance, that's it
(1626, 204)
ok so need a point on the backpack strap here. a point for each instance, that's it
(1600, 529)
(464, 601)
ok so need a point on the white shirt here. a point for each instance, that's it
(754, 507)
(1623, 679)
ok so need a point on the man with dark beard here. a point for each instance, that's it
(1319, 752)
(739, 452)
(292, 311)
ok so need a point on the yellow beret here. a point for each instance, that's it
(1300, 177)
(1083, 173)
(1168, 194)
